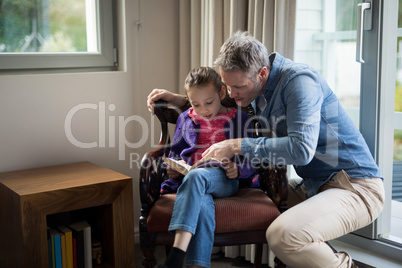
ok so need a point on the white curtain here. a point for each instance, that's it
(206, 24)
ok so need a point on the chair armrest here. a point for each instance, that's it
(152, 172)
(278, 186)
(273, 178)
(166, 113)
(274, 182)
(151, 176)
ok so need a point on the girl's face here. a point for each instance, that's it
(206, 102)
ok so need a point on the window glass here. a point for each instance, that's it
(398, 90)
(395, 234)
(47, 26)
(326, 40)
(49, 34)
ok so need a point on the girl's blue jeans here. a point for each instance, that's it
(194, 210)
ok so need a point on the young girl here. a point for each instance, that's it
(205, 123)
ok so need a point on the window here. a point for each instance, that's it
(326, 39)
(396, 195)
(49, 34)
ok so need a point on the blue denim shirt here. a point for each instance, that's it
(312, 130)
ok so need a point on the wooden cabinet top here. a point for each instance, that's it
(44, 179)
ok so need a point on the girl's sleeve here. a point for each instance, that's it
(171, 185)
(177, 142)
(244, 165)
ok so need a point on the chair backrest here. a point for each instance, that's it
(273, 179)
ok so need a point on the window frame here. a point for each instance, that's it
(105, 59)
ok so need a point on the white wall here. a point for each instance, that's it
(33, 108)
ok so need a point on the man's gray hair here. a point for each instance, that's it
(243, 52)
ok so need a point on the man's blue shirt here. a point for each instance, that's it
(312, 130)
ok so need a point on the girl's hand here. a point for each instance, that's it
(173, 174)
(231, 170)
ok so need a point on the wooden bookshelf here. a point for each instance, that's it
(32, 197)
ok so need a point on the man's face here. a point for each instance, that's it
(242, 88)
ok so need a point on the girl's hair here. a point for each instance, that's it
(242, 52)
(203, 76)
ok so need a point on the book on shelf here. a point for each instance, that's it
(67, 253)
(75, 252)
(50, 250)
(63, 250)
(81, 231)
(55, 237)
(184, 168)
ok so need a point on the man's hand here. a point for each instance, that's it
(231, 170)
(224, 150)
(171, 98)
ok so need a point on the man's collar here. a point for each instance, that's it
(262, 103)
(276, 61)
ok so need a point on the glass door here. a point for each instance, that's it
(395, 234)
(327, 38)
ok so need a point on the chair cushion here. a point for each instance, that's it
(248, 209)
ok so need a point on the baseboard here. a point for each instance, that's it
(365, 258)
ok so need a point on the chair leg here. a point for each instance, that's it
(147, 245)
(149, 260)
(258, 256)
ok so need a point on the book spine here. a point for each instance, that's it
(63, 250)
(71, 246)
(75, 262)
(69, 250)
(66, 246)
(49, 250)
(87, 247)
(80, 249)
(57, 252)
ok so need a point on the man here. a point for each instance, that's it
(342, 189)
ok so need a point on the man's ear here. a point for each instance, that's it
(263, 73)
(222, 93)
